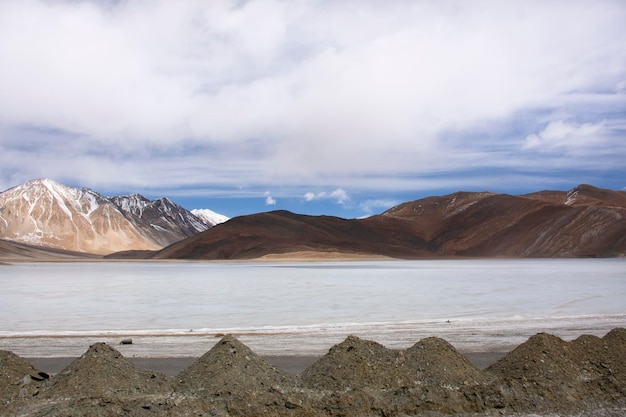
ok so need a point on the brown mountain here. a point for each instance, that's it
(586, 221)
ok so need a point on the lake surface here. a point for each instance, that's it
(175, 309)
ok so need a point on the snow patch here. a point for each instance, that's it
(571, 197)
(209, 216)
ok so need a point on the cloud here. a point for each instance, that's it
(353, 94)
(269, 200)
(339, 195)
(566, 134)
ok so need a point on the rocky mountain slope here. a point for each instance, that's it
(45, 213)
(586, 221)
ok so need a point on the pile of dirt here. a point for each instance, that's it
(102, 371)
(364, 377)
(603, 363)
(547, 372)
(100, 382)
(356, 363)
(232, 379)
(18, 378)
(355, 378)
(435, 362)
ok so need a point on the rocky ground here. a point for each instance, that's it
(543, 376)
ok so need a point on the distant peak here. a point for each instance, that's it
(166, 201)
(49, 184)
(134, 197)
(581, 187)
(209, 216)
(42, 181)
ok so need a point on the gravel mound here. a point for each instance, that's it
(363, 377)
(435, 362)
(102, 371)
(230, 379)
(543, 376)
(356, 363)
(547, 372)
(100, 382)
(18, 378)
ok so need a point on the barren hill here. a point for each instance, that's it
(282, 232)
(585, 221)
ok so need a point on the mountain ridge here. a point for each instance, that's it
(583, 222)
(45, 213)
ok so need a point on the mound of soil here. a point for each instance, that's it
(616, 341)
(544, 359)
(102, 371)
(230, 378)
(435, 362)
(18, 378)
(100, 382)
(546, 375)
(356, 363)
(603, 363)
(364, 377)
(547, 372)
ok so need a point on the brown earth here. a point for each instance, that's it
(15, 251)
(543, 376)
(584, 222)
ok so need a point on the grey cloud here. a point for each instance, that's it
(308, 92)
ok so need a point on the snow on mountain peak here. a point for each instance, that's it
(209, 216)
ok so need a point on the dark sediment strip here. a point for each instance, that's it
(291, 364)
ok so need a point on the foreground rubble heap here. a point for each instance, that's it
(355, 378)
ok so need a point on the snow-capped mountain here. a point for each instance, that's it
(209, 216)
(46, 213)
(165, 220)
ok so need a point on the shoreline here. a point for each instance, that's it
(484, 335)
(296, 257)
(476, 339)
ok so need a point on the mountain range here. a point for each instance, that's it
(583, 222)
(45, 213)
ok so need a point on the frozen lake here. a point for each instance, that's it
(175, 309)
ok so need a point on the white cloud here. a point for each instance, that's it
(339, 195)
(269, 200)
(318, 94)
(566, 134)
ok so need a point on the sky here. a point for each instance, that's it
(342, 108)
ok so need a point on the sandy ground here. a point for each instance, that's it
(297, 256)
